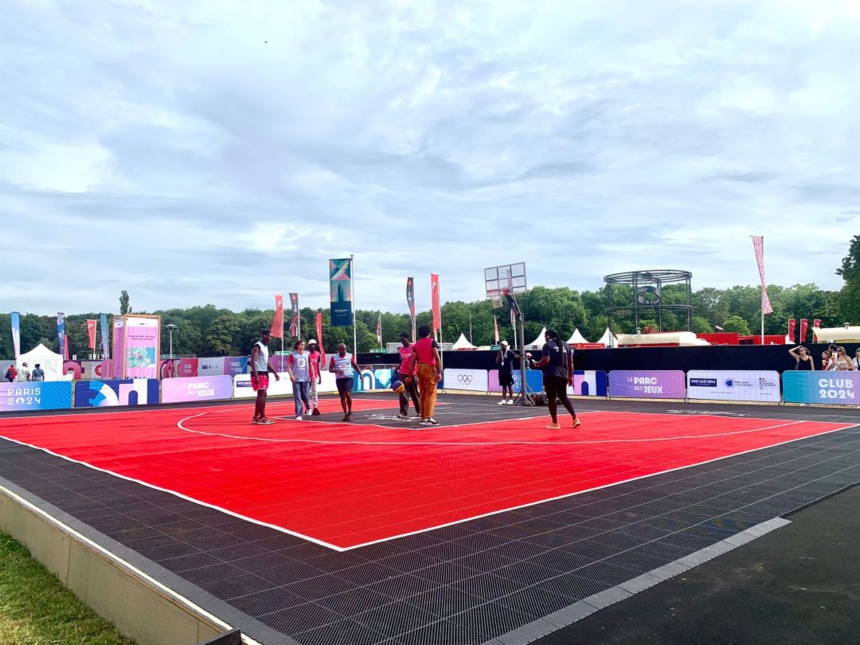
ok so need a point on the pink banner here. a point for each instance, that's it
(141, 347)
(118, 347)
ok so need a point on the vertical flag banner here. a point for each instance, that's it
(340, 280)
(434, 299)
(816, 323)
(277, 330)
(791, 324)
(804, 325)
(61, 333)
(295, 325)
(496, 330)
(410, 300)
(320, 338)
(379, 330)
(91, 332)
(758, 245)
(16, 333)
(105, 338)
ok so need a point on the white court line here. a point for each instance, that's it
(469, 443)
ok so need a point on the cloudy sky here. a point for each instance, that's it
(218, 152)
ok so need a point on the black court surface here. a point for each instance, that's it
(507, 577)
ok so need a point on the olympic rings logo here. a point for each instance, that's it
(465, 379)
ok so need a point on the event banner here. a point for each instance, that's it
(141, 346)
(242, 388)
(183, 390)
(210, 366)
(91, 333)
(842, 388)
(340, 278)
(534, 380)
(101, 394)
(588, 383)
(235, 365)
(435, 303)
(733, 385)
(467, 379)
(105, 340)
(295, 322)
(61, 334)
(277, 330)
(118, 346)
(16, 333)
(372, 380)
(21, 397)
(647, 384)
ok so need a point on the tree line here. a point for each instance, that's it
(212, 331)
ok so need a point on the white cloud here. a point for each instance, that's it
(207, 151)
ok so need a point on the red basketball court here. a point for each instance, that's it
(350, 484)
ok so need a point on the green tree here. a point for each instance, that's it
(222, 337)
(736, 324)
(124, 306)
(849, 297)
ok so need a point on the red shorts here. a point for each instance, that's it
(260, 382)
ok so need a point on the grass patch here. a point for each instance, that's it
(36, 609)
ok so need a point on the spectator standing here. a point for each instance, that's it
(505, 361)
(24, 373)
(345, 368)
(38, 373)
(11, 373)
(803, 359)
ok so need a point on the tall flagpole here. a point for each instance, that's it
(354, 308)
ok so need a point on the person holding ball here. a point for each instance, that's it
(345, 368)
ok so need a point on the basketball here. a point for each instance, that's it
(397, 386)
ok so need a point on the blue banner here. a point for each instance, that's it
(100, 394)
(20, 397)
(105, 338)
(842, 388)
(61, 333)
(16, 333)
(340, 279)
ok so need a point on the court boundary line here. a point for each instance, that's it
(426, 529)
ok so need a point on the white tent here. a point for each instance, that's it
(538, 342)
(845, 334)
(576, 338)
(463, 343)
(52, 363)
(608, 339)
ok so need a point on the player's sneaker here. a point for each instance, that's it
(266, 421)
(315, 413)
(255, 421)
(576, 423)
(298, 417)
(510, 402)
(554, 426)
(502, 402)
(432, 422)
(424, 422)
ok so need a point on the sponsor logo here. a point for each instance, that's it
(704, 382)
(466, 379)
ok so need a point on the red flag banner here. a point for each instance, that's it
(434, 299)
(277, 330)
(379, 330)
(91, 332)
(804, 325)
(319, 337)
(758, 245)
(816, 324)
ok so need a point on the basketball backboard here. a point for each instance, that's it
(503, 280)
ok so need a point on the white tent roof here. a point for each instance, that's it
(463, 343)
(608, 339)
(576, 338)
(51, 362)
(850, 334)
(538, 342)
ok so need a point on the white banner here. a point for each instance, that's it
(210, 366)
(472, 380)
(242, 386)
(733, 385)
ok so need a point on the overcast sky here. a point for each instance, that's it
(219, 152)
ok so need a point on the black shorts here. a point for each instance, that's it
(506, 379)
(555, 386)
(344, 385)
